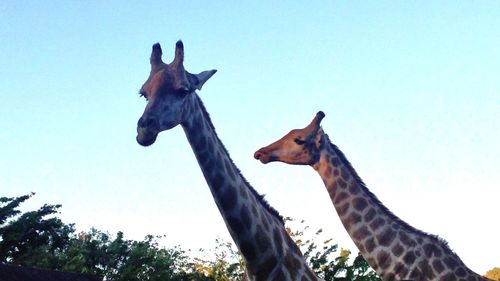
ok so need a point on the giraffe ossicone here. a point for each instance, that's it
(395, 249)
(256, 228)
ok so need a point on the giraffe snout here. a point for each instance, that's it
(147, 131)
(263, 156)
(150, 123)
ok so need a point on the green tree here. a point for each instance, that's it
(119, 259)
(33, 238)
(225, 263)
(323, 259)
(39, 239)
(493, 274)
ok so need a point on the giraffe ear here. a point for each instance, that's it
(197, 80)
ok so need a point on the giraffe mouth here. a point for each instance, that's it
(264, 157)
(145, 136)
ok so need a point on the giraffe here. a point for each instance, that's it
(256, 228)
(395, 249)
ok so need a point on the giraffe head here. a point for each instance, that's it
(166, 91)
(298, 147)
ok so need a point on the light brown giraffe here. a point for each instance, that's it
(395, 249)
(256, 228)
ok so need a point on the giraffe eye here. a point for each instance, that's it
(299, 141)
(184, 91)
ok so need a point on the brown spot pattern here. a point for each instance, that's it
(361, 233)
(343, 209)
(428, 249)
(255, 212)
(397, 250)
(400, 269)
(236, 225)
(370, 215)
(245, 217)
(248, 250)
(449, 277)
(293, 264)
(345, 174)
(266, 268)
(353, 218)
(377, 223)
(310, 275)
(438, 266)
(278, 241)
(336, 172)
(406, 240)
(460, 272)
(354, 188)
(426, 269)
(228, 199)
(372, 262)
(451, 263)
(329, 170)
(370, 244)
(263, 243)
(341, 183)
(243, 193)
(409, 258)
(383, 259)
(332, 192)
(341, 197)
(335, 161)
(359, 203)
(386, 237)
(281, 276)
(229, 170)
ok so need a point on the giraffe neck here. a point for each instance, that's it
(256, 228)
(396, 250)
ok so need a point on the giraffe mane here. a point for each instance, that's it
(260, 198)
(441, 241)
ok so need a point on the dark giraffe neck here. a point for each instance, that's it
(256, 227)
(396, 250)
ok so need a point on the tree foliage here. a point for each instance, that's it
(119, 259)
(493, 274)
(37, 239)
(223, 263)
(40, 239)
(324, 259)
(32, 238)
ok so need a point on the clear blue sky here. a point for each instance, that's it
(410, 91)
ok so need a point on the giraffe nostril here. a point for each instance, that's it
(257, 155)
(263, 156)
